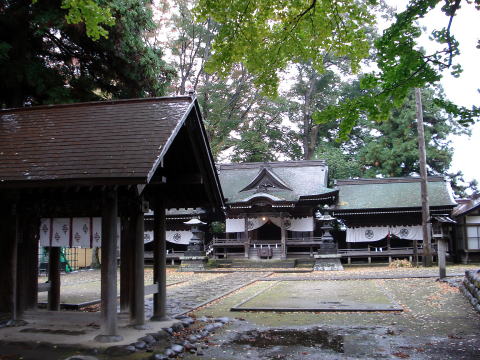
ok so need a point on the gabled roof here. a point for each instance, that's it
(466, 206)
(123, 139)
(388, 193)
(289, 181)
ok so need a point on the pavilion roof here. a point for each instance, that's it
(291, 180)
(388, 193)
(123, 140)
(466, 206)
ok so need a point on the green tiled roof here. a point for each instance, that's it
(391, 193)
(305, 178)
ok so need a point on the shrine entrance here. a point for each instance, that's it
(268, 232)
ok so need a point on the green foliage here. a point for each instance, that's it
(268, 35)
(463, 189)
(341, 165)
(91, 13)
(44, 59)
(403, 66)
(391, 148)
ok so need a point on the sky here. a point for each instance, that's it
(462, 90)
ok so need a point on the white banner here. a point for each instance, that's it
(366, 234)
(179, 237)
(407, 232)
(376, 233)
(82, 232)
(291, 224)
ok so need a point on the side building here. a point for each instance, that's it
(467, 231)
(383, 216)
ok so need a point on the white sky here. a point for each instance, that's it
(462, 90)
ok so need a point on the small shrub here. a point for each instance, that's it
(397, 263)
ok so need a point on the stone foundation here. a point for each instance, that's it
(328, 262)
(471, 288)
(193, 263)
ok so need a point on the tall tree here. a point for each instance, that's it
(45, 57)
(391, 148)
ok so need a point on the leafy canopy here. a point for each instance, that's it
(268, 35)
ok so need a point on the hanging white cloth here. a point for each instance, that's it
(238, 225)
(407, 232)
(179, 237)
(367, 234)
(84, 232)
(295, 224)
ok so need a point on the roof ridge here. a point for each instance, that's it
(99, 102)
(392, 180)
(271, 164)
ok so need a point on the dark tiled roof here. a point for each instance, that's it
(304, 178)
(122, 139)
(392, 193)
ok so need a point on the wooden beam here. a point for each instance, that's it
(159, 262)
(109, 269)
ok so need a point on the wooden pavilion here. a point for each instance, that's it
(271, 209)
(466, 244)
(112, 161)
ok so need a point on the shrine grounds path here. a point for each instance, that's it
(436, 321)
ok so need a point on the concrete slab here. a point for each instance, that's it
(73, 328)
(312, 296)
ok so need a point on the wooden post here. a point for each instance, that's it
(427, 241)
(109, 268)
(159, 264)
(124, 266)
(442, 258)
(54, 279)
(415, 253)
(283, 237)
(138, 286)
(8, 265)
(31, 238)
(247, 240)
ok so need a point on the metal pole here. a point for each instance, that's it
(427, 241)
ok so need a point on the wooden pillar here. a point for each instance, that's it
(283, 238)
(415, 253)
(441, 254)
(247, 240)
(31, 237)
(54, 279)
(159, 264)
(124, 266)
(137, 314)
(8, 265)
(109, 268)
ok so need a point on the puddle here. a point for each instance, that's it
(291, 337)
(55, 332)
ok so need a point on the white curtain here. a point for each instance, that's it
(238, 225)
(292, 224)
(376, 233)
(85, 232)
(407, 232)
(366, 234)
(179, 237)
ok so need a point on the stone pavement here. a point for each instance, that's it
(187, 296)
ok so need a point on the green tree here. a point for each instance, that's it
(268, 35)
(391, 148)
(45, 57)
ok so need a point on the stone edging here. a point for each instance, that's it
(471, 288)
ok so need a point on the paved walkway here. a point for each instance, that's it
(187, 296)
